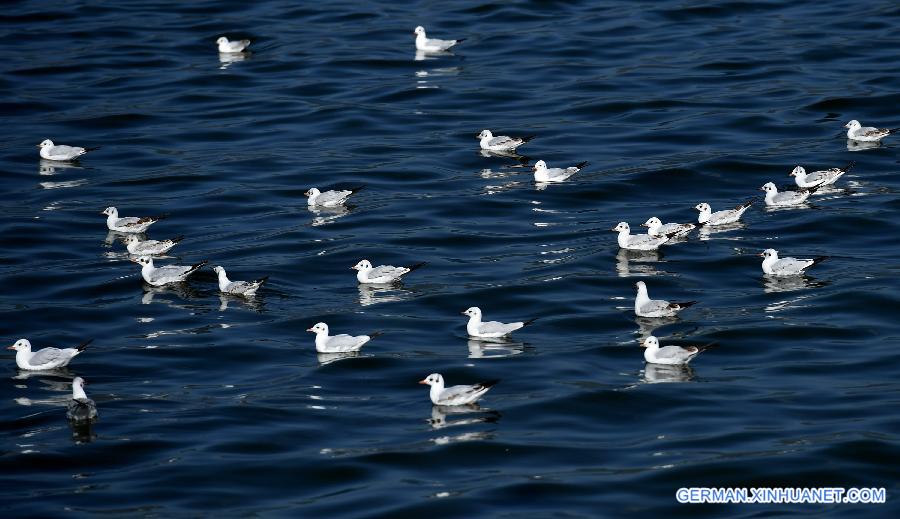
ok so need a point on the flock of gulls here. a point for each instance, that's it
(82, 409)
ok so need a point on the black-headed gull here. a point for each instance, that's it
(159, 276)
(858, 132)
(544, 174)
(238, 288)
(424, 43)
(490, 329)
(455, 395)
(723, 217)
(80, 408)
(670, 355)
(338, 343)
(61, 152)
(774, 266)
(823, 177)
(501, 143)
(381, 274)
(227, 47)
(140, 247)
(637, 241)
(646, 307)
(655, 227)
(130, 224)
(785, 198)
(333, 198)
(46, 358)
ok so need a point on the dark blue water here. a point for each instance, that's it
(216, 406)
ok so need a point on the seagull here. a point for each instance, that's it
(646, 307)
(149, 247)
(164, 275)
(328, 198)
(824, 177)
(455, 395)
(678, 230)
(671, 355)
(46, 358)
(637, 241)
(338, 343)
(427, 44)
(81, 409)
(724, 217)
(61, 152)
(228, 47)
(544, 174)
(785, 198)
(130, 224)
(490, 329)
(858, 132)
(501, 143)
(786, 266)
(382, 274)
(238, 288)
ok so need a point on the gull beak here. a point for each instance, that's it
(14, 347)
(423, 382)
(306, 193)
(762, 189)
(353, 268)
(464, 313)
(644, 225)
(37, 145)
(613, 229)
(310, 330)
(761, 254)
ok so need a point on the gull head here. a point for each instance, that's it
(652, 222)
(485, 134)
(703, 207)
(769, 187)
(143, 261)
(622, 227)
(78, 382)
(854, 124)
(769, 254)
(641, 285)
(362, 265)
(312, 192)
(222, 40)
(419, 30)
(218, 270)
(435, 379)
(131, 239)
(799, 171)
(540, 165)
(20, 345)
(46, 143)
(650, 342)
(473, 312)
(111, 211)
(319, 328)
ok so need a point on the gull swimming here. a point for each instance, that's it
(544, 174)
(61, 152)
(331, 198)
(140, 247)
(80, 408)
(774, 266)
(338, 343)
(823, 177)
(130, 224)
(490, 329)
(785, 198)
(670, 355)
(646, 307)
(237, 288)
(502, 142)
(226, 47)
(382, 274)
(424, 43)
(455, 395)
(858, 132)
(724, 217)
(46, 358)
(159, 276)
(655, 227)
(637, 241)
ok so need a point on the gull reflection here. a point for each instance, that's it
(111, 237)
(487, 348)
(439, 415)
(521, 159)
(52, 167)
(661, 374)
(82, 432)
(422, 55)
(328, 358)
(775, 284)
(860, 146)
(634, 262)
(374, 293)
(706, 231)
(326, 215)
(53, 385)
(154, 294)
(227, 58)
(252, 302)
(647, 325)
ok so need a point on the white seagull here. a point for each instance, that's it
(671, 355)
(785, 198)
(159, 276)
(131, 224)
(338, 343)
(382, 274)
(333, 198)
(858, 132)
(149, 247)
(228, 47)
(46, 358)
(238, 288)
(724, 217)
(646, 307)
(544, 174)
(424, 43)
(490, 329)
(774, 266)
(823, 177)
(80, 408)
(501, 143)
(61, 152)
(455, 395)
(655, 227)
(637, 241)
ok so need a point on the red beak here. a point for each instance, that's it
(11, 347)
(423, 382)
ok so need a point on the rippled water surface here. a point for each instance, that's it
(213, 405)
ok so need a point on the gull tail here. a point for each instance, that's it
(486, 384)
(83, 345)
(357, 189)
(416, 266)
(814, 188)
(526, 323)
(177, 239)
(707, 346)
(848, 166)
(92, 148)
(154, 218)
(683, 305)
(817, 260)
(744, 205)
(195, 267)
(527, 138)
(375, 334)
(261, 280)
(581, 165)
(459, 40)
(894, 130)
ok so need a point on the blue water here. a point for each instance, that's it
(216, 406)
